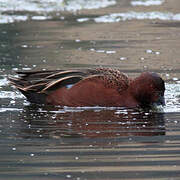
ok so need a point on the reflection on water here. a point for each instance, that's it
(97, 123)
(87, 143)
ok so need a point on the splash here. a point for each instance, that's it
(3, 82)
(172, 96)
(11, 95)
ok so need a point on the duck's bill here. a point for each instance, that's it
(160, 101)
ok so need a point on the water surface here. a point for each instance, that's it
(45, 142)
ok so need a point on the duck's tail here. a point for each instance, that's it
(32, 96)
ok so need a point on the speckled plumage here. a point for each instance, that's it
(113, 78)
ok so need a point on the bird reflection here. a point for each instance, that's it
(93, 123)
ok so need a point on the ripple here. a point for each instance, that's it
(10, 109)
(117, 17)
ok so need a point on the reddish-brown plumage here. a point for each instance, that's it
(90, 87)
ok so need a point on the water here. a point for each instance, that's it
(44, 142)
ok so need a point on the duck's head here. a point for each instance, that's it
(148, 89)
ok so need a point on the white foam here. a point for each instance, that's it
(11, 18)
(117, 17)
(110, 52)
(53, 5)
(88, 4)
(40, 17)
(172, 97)
(82, 19)
(3, 82)
(147, 2)
(11, 95)
(42, 7)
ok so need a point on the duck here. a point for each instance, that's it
(106, 87)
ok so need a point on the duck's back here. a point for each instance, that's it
(85, 87)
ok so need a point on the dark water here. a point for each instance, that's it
(42, 142)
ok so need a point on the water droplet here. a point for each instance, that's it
(175, 78)
(110, 52)
(145, 67)
(77, 40)
(149, 51)
(26, 68)
(100, 51)
(54, 116)
(24, 46)
(123, 58)
(157, 53)
(92, 49)
(62, 17)
(82, 19)
(68, 176)
(12, 102)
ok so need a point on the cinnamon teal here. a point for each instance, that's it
(90, 87)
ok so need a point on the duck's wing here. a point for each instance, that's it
(35, 85)
(38, 81)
